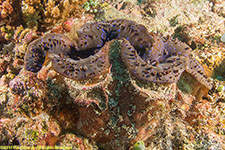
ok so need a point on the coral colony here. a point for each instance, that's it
(147, 56)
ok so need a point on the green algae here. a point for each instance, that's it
(219, 71)
(204, 142)
(117, 73)
(120, 73)
(174, 21)
(99, 96)
(92, 6)
(184, 85)
(139, 145)
(120, 77)
(44, 128)
(220, 88)
(32, 136)
(180, 34)
(55, 91)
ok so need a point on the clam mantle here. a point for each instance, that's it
(147, 56)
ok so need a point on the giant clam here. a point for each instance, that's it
(147, 56)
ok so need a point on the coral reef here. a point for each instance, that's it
(44, 14)
(35, 15)
(10, 12)
(7, 32)
(75, 76)
(92, 6)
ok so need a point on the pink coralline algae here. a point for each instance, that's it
(147, 56)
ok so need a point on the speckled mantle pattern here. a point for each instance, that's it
(148, 56)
